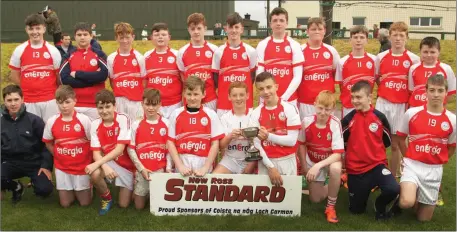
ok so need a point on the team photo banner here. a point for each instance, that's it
(219, 194)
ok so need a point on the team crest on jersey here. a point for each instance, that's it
(445, 126)
(319, 135)
(406, 63)
(171, 59)
(93, 62)
(162, 131)
(244, 56)
(329, 136)
(46, 55)
(326, 55)
(208, 54)
(282, 116)
(77, 128)
(369, 65)
(288, 49)
(134, 62)
(373, 127)
(204, 121)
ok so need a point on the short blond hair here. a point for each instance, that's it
(326, 98)
(193, 82)
(123, 28)
(398, 26)
(316, 20)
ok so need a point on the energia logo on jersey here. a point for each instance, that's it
(238, 147)
(317, 156)
(34, 74)
(127, 84)
(191, 146)
(281, 72)
(70, 151)
(396, 86)
(421, 97)
(161, 81)
(202, 75)
(152, 155)
(233, 78)
(316, 77)
(433, 150)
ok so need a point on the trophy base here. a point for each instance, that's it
(253, 158)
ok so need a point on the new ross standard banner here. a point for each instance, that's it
(238, 194)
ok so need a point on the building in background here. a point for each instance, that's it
(106, 13)
(422, 16)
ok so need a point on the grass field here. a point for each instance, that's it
(46, 214)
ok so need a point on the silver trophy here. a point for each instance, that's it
(252, 154)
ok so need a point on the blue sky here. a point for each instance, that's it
(257, 9)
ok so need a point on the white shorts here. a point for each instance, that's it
(125, 177)
(194, 162)
(212, 104)
(322, 173)
(88, 111)
(427, 178)
(142, 185)
(345, 111)
(305, 110)
(286, 165)
(44, 110)
(133, 109)
(393, 111)
(235, 165)
(166, 111)
(70, 182)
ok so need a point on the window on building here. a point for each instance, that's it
(425, 21)
(302, 21)
(358, 21)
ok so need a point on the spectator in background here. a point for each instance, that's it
(52, 24)
(94, 33)
(375, 31)
(383, 38)
(144, 32)
(217, 29)
(65, 45)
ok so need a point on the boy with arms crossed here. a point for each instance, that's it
(126, 69)
(233, 61)
(196, 58)
(392, 79)
(321, 145)
(147, 147)
(281, 56)
(34, 65)
(358, 65)
(85, 70)
(194, 132)
(431, 143)
(110, 135)
(67, 137)
(234, 145)
(279, 124)
(162, 72)
(318, 69)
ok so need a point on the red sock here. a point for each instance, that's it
(331, 202)
(106, 196)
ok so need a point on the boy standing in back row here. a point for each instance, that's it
(196, 57)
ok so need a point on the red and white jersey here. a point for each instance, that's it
(162, 73)
(230, 122)
(127, 72)
(233, 64)
(39, 66)
(418, 76)
(429, 134)
(318, 72)
(197, 60)
(352, 69)
(193, 132)
(392, 71)
(279, 58)
(71, 140)
(149, 139)
(105, 138)
(321, 142)
(277, 120)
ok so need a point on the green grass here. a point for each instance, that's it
(33, 213)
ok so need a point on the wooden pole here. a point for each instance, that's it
(326, 12)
